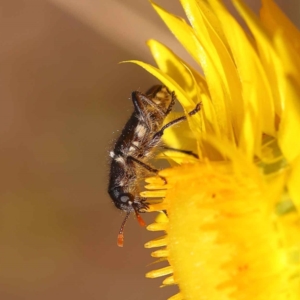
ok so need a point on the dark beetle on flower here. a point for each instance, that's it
(140, 137)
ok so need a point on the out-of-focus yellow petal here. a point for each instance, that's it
(248, 142)
(224, 150)
(289, 60)
(179, 136)
(274, 19)
(294, 183)
(288, 135)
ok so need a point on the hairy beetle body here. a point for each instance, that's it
(141, 135)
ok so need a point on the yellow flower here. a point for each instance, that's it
(232, 224)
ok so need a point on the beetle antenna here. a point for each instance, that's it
(121, 232)
(139, 218)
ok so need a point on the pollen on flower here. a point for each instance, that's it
(229, 242)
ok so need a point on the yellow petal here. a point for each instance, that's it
(288, 135)
(167, 81)
(269, 60)
(256, 88)
(273, 18)
(190, 80)
(288, 64)
(249, 132)
(171, 64)
(294, 183)
(218, 92)
(223, 63)
(180, 136)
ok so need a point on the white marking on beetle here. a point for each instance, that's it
(120, 159)
(122, 182)
(112, 154)
(140, 131)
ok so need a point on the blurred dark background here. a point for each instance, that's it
(64, 98)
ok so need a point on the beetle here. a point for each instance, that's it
(137, 143)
